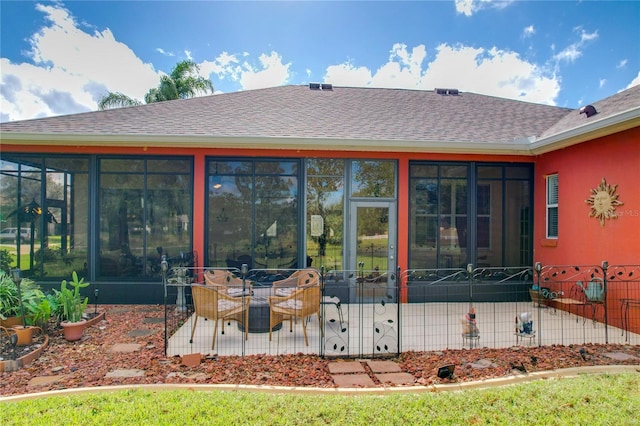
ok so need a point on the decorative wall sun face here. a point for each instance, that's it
(603, 202)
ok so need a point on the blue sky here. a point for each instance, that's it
(61, 57)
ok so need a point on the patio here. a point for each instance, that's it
(382, 329)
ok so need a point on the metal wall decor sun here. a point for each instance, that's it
(603, 201)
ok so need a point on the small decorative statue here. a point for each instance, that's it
(524, 323)
(468, 321)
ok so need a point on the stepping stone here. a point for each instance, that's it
(384, 366)
(45, 380)
(125, 347)
(482, 363)
(346, 367)
(619, 356)
(192, 376)
(192, 360)
(152, 320)
(353, 380)
(120, 310)
(126, 373)
(141, 333)
(396, 378)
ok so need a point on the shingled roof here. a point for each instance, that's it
(352, 118)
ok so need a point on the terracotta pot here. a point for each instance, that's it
(11, 322)
(25, 334)
(73, 330)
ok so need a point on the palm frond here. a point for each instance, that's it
(116, 100)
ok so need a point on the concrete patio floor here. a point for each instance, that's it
(373, 329)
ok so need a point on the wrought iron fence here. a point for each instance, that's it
(378, 314)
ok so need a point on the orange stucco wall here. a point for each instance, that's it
(582, 241)
(581, 168)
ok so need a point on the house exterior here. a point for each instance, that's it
(335, 177)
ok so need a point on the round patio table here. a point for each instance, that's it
(259, 312)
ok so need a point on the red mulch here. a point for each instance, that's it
(86, 362)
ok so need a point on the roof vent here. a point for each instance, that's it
(318, 86)
(447, 92)
(589, 110)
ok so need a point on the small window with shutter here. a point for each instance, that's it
(552, 206)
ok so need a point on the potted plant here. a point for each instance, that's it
(9, 301)
(16, 294)
(71, 306)
(35, 312)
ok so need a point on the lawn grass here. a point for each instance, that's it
(587, 399)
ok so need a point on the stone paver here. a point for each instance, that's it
(192, 360)
(482, 363)
(619, 356)
(346, 367)
(125, 347)
(120, 309)
(383, 366)
(353, 380)
(192, 376)
(152, 320)
(396, 378)
(45, 380)
(144, 332)
(126, 373)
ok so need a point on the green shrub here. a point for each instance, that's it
(6, 260)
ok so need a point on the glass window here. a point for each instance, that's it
(423, 231)
(517, 223)
(373, 179)
(503, 215)
(230, 214)
(552, 206)
(438, 222)
(47, 199)
(440, 230)
(325, 213)
(253, 213)
(143, 215)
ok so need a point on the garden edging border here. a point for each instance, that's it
(482, 384)
(28, 358)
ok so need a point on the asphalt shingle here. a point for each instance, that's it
(342, 113)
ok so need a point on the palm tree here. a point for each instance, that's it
(182, 83)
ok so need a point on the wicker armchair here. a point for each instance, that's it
(302, 302)
(212, 302)
(228, 282)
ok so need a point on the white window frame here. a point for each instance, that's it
(552, 205)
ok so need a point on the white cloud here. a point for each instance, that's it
(528, 31)
(269, 72)
(465, 7)
(492, 72)
(634, 82)
(348, 75)
(469, 7)
(622, 63)
(602, 82)
(574, 50)
(163, 52)
(70, 79)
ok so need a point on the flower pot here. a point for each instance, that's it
(25, 334)
(73, 330)
(11, 321)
